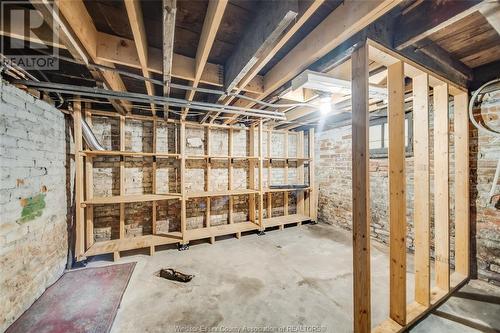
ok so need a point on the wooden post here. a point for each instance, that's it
(461, 129)
(251, 174)
(300, 171)
(397, 192)
(182, 148)
(441, 196)
(421, 211)
(230, 173)
(361, 191)
(89, 188)
(153, 185)
(122, 179)
(312, 189)
(79, 182)
(261, 174)
(285, 193)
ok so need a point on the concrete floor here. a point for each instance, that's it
(299, 277)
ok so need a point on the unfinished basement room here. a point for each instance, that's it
(249, 166)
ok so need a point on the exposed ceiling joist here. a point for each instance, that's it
(269, 54)
(122, 51)
(429, 17)
(211, 24)
(82, 26)
(134, 12)
(269, 23)
(169, 10)
(345, 21)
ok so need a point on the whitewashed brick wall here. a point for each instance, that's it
(33, 237)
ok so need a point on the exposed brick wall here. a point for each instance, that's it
(138, 176)
(33, 237)
(334, 176)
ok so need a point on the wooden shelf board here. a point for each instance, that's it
(286, 189)
(287, 158)
(220, 230)
(117, 245)
(130, 198)
(282, 220)
(125, 153)
(220, 193)
(220, 157)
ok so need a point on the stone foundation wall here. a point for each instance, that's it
(33, 197)
(333, 174)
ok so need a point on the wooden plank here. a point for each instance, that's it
(182, 147)
(397, 192)
(300, 171)
(79, 182)
(122, 177)
(230, 174)
(312, 180)
(213, 18)
(361, 192)
(285, 194)
(130, 198)
(261, 175)
(264, 30)
(441, 195)
(89, 190)
(284, 220)
(421, 210)
(169, 10)
(122, 51)
(153, 183)
(251, 174)
(429, 18)
(462, 204)
(135, 17)
(81, 24)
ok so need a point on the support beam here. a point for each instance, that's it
(346, 20)
(462, 204)
(429, 17)
(79, 182)
(421, 211)
(122, 51)
(360, 192)
(491, 11)
(397, 192)
(82, 27)
(134, 12)
(211, 24)
(268, 24)
(441, 195)
(169, 11)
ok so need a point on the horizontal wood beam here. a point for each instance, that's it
(266, 27)
(429, 17)
(346, 20)
(79, 21)
(122, 51)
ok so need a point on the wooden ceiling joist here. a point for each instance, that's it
(211, 24)
(134, 12)
(347, 19)
(271, 52)
(169, 10)
(80, 23)
(429, 17)
(122, 51)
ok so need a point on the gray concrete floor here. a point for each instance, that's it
(298, 278)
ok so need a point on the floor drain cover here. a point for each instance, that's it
(172, 274)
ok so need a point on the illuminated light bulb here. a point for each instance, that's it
(325, 105)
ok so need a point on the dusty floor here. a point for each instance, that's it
(299, 278)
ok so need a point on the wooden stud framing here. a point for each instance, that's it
(285, 194)
(441, 195)
(461, 136)
(79, 178)
(122, 177)
(421, 211)
(313, 191)
(251, 174)
(261, 175)
(182, 148)
(300, 170)
(361, 191)
(89, 190)
(397, 192)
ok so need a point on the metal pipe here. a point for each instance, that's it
(89, 137)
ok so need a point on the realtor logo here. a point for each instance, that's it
(26, 35)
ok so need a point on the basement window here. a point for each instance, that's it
(379, 136)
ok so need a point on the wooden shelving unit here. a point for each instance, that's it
(258, 157)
